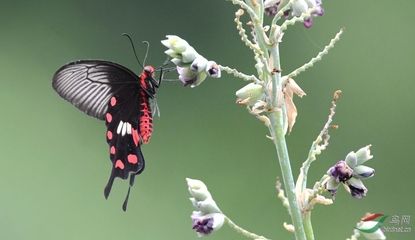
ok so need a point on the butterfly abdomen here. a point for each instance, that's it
(146, 119)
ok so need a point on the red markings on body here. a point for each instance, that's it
(109, 135)
(136, 137)
(119, 164)
(132, 158)
(145, 119)
(108, 116)
(113, 101)
(112, 150)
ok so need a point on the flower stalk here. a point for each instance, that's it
(269, 97)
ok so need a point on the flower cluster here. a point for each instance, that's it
(298, 7)
(207, 217)
(192, 67)
(350, 172)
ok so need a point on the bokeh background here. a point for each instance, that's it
(54, 161)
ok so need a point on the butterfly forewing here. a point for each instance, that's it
(89, 84)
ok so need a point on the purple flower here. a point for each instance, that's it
(203, 226)
(350, 173)
(208, 223)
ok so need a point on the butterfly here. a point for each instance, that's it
(113, 93)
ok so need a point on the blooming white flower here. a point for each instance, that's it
(350, 172)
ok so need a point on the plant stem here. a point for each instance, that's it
(278, 136)
(242, 231)
(308, 226)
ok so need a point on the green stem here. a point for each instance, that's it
(242, 231)
(308, 226)
(278, 136)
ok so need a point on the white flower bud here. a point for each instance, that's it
(197, 189)
(176, 43)
(251, 92)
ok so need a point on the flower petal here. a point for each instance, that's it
(208, 206)
(213, 70)
(299, 7)
(332, 185)
(200, 78)
(189, 55)
(363, 172)
(363, 154)
(351, 159)
(199, 64)
(206, 224)
(356, 188)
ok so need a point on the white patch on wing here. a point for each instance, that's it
(119, 127)
(124, 129)
(128, 128)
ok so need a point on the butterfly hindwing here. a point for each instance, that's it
(123, 137)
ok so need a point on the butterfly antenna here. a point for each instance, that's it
(148, 47)
(132, 45)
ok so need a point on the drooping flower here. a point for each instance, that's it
(207, 216)
(192, 67)
(350, 173)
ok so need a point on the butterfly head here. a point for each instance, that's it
(149, 71)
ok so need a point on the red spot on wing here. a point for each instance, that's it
(108, 116)
(136, 137)
(109, 135)
(119, 164)
(132, 158)
(113, 101)
(112, 150)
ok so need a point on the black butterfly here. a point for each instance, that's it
(111, 92)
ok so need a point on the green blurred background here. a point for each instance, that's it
(54, 161)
